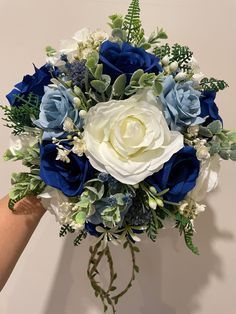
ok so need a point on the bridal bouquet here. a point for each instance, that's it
(121, 136)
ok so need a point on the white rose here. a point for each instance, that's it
(55, 201)
(129, 139)
(20, 143)
(208, 178)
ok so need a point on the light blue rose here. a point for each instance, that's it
(56, 106)
(181, 104)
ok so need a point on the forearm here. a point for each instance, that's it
(15, 231)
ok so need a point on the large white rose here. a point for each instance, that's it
(129, 139)
(208, 178)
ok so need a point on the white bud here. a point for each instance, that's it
(165, 61)
(152, 203)
(181, 76)
(193, 130)
(173, 66)
(82, 113)
(77, 101)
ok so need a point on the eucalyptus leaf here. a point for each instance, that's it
(231, 136)
(119, 85)
(224, 154)
(99, 86)
(233, 155)
(98, 71)
(157, 87)
(136, 76)
(215, 127)
(205, 131)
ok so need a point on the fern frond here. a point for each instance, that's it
(132, 22)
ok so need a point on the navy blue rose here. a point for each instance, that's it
(30, 84)
(123, 58)
(179, 175)
(67, 177)
(209, 108)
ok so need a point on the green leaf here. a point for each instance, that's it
(157, 87)
(205, 131)
(231, 136)
(233, 155)
(119, 85)
(136, 76)
(117, 32)
(100, 86)
(215, 127)
(224, 154)
(98, 71)
(80, 217)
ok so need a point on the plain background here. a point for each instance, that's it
(50, 277)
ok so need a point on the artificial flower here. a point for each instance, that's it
(66, 177)
(55, 110)
(129, 139)
(181, 104)
(179, 175)
(123, 58)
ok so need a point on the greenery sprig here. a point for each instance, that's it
(20, 116)
(105, 295)
(212, 84)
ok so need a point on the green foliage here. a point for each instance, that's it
(106, 295)
(50, 51)
(65, 229)
(140, 80)
(19, 117)
(25, 184)
(116, 21)
(178, 53)
(162, 51)
(212, 84)
(155, 37)
(185, 227)
(181, 54)
(219, 141)
(82, 236)
(132, 23)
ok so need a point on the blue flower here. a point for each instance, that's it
(209, 108)
(31, 84)
(56, 106)
(179, 175)
(123, 58)
(67, 177)
(181, 104)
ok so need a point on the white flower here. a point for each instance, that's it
(68, 125)
(129, 139)
(208, 178)
(193, 130)
(20, 143)
(79, 146)
(56, 202)
(197, 74)
(70, 46)
(62, 154)
(82, 35)
(99, 36)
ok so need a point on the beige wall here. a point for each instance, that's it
(50, 277)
